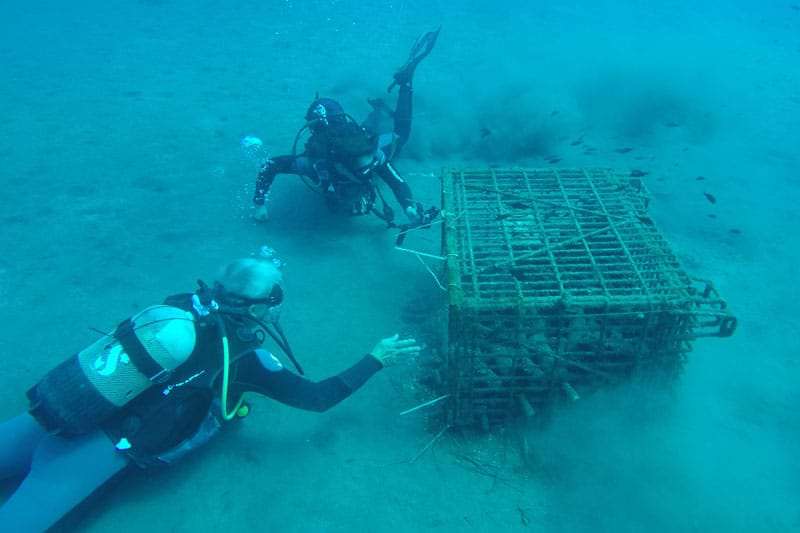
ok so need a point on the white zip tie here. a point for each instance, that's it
(436, 279)
(415, 252)
(426, 404)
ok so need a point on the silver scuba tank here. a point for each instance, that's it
(91, 385)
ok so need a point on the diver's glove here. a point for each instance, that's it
(414, 213)
(419, 216)
(260, 213)
(389, 350)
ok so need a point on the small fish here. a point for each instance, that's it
(623, 150)
(554, 113)
(553, 160)
(523, 517)
(502, 216)
(589, 150)
(710, 197)
(519, 205)
(576, 142)
(712, 215)
(700, 178)
(636, 173)
(672, 125)
(485, 132)
(735, 231)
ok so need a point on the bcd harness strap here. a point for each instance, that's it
(144, 362)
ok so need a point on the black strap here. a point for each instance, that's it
(126, 335)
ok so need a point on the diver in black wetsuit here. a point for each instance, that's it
(162, 384)
(342, 157)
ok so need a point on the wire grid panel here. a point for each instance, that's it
(548, 233)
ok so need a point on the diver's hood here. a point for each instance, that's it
(323, 108)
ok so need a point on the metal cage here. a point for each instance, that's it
(559, 283)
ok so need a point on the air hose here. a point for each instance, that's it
(226, 359)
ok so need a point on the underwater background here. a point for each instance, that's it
(122, 181)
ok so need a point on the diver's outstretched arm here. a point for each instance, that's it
(402, 192)
(415, 211)
(402, 117)
(284, 164)
(262, 373)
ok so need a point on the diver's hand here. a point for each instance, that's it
(260, 213)
(389, 350)
(419, 216)
(414, 213)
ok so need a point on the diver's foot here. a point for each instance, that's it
(419, 51)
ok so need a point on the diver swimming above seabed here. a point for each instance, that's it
(341, 157)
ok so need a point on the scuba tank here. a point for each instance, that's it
(93, 384)
(147, 349)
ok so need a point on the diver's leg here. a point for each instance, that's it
(419, 51)
(63, 473)
(18, 440)
(403, 78)
(402, 116)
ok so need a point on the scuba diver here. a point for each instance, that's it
(342, 157)
(160, 385)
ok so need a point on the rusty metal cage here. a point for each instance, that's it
(559, 283)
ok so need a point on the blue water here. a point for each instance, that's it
(122, 182)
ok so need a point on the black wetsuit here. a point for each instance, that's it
(336, 148)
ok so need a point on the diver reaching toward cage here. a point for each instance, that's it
(342, 158)
(163, 383)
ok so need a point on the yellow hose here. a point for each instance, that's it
(225, 377)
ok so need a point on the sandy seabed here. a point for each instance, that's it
(122, 182)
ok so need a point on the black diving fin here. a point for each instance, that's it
(422, 47)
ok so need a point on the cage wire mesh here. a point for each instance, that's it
(559, 283)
